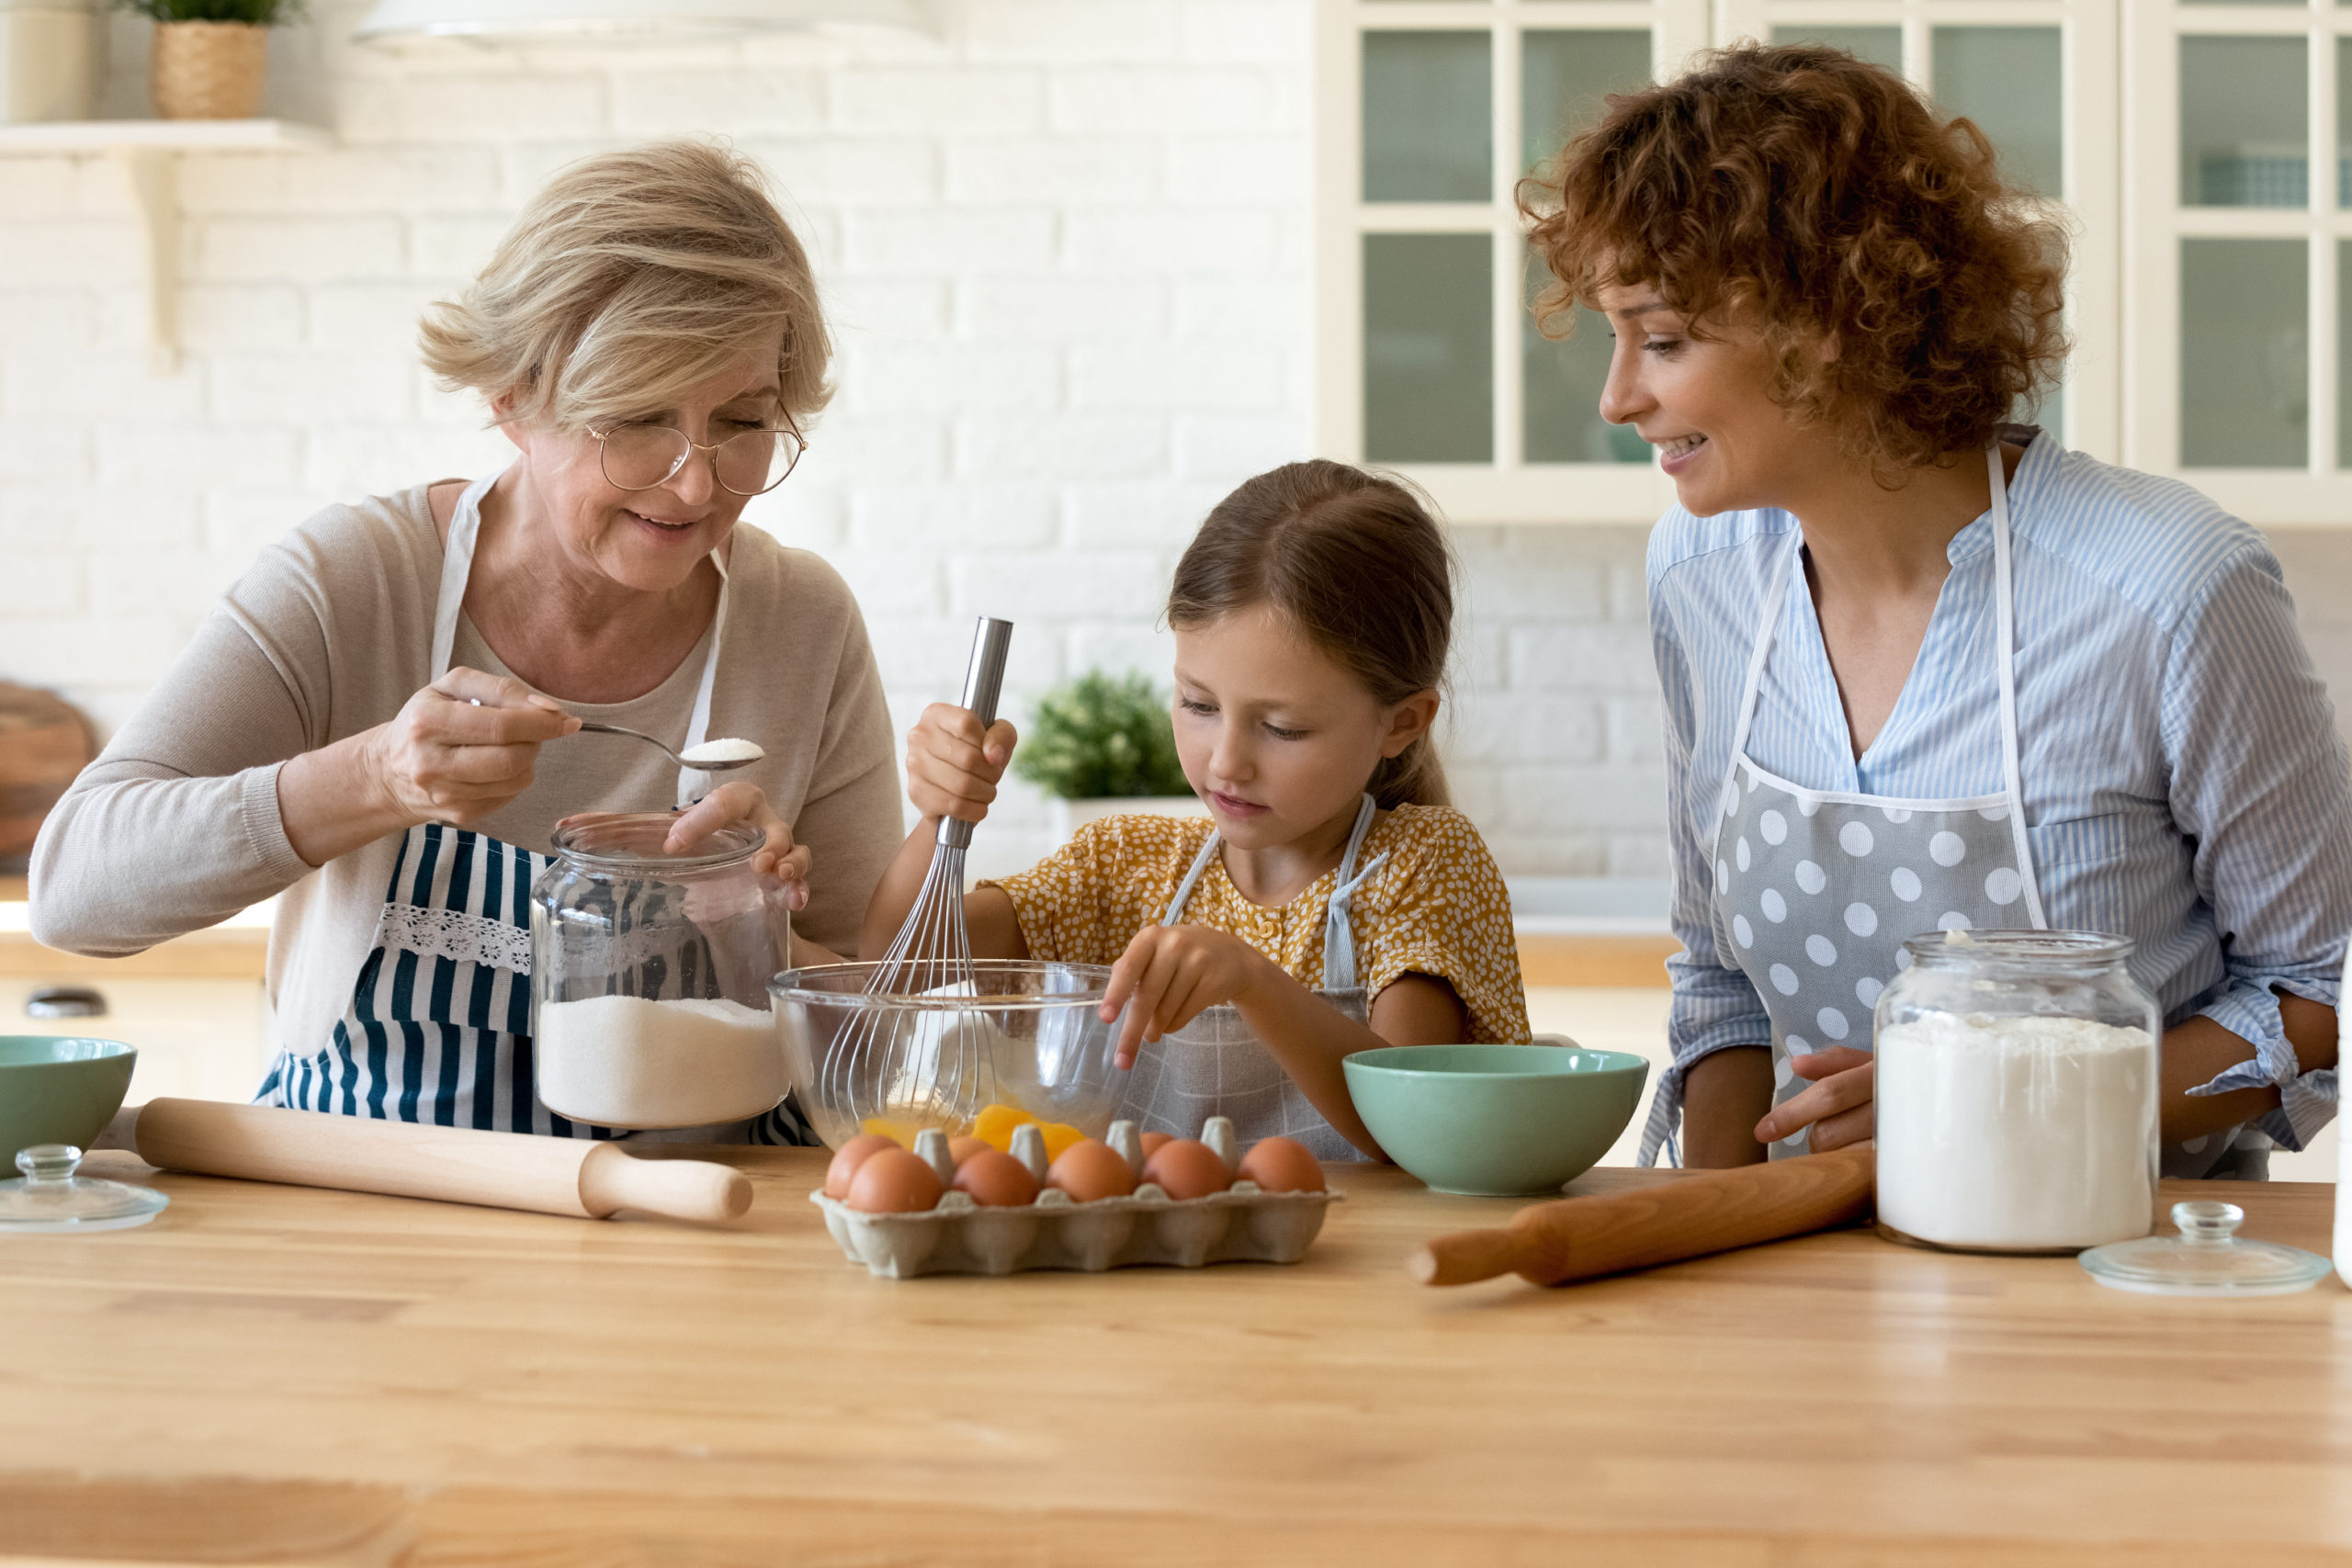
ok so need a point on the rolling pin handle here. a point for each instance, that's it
(122, 1132)
(678, 1189)
(1466, 1256)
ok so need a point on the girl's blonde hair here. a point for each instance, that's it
(631, 279)
(1357, 564)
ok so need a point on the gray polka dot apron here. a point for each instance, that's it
(1216, 1065)
(1815, 890)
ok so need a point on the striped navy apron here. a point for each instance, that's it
(438, 1025)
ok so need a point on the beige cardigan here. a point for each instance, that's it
(176, 825)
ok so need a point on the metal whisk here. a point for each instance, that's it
(918, 1063)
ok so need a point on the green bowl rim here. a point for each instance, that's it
(1627, 1062)
(122, 1048)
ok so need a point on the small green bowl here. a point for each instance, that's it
(1496, 1120)
(56, 1089)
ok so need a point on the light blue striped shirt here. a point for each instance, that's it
(2185, 786)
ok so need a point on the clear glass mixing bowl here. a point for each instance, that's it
(1021, 1035)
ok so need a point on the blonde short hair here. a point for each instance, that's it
(631, 278)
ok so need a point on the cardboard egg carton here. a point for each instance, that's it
(1244, 1224)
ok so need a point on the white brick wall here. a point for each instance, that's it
(1065, 248)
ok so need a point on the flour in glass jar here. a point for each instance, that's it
(627, 1062)
(2014, 1132)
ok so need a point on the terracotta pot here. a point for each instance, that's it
(208, 70)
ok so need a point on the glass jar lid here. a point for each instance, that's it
(2205, 1259)
(630, 843)
(50, 1197)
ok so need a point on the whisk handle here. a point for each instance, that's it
(983, 683)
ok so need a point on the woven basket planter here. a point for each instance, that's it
(208, 70)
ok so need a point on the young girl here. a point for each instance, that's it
(1334, 901)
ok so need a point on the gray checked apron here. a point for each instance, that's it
(1216, 1065)
(1816, 890)
(438, 1025)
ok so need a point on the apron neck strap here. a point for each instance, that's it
(1339, 926)
(456, 567)
(1338, 931)
(1776, 596)
(2004, 634)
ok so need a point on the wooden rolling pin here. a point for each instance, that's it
(1580, 1239)
(456, 1165)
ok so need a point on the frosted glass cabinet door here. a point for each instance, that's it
(2343, 353)
(1563, 379)
(2009, 81)
(2245, 122)
(1429, 119)
(2244, 354)
(1564, 78)
(1880, 46)
(1429, 348)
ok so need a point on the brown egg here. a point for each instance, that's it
(1282, 1165)
(849, 1157)
(996, 1180)
(1089, 1169)
(1184, 1169)
(1153, 1143)
(961, 1149)
(893, 1182)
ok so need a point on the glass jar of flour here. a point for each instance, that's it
(650, 974)
(2017, 1093)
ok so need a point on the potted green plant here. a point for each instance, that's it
(210, 57)
(1102, 746)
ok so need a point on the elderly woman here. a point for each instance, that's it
(1923, 667)
(417, 666)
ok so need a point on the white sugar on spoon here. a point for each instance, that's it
(727, 753)
(710, 757)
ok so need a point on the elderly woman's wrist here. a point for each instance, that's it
(338, 797)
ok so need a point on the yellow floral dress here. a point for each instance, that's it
(1437, 906)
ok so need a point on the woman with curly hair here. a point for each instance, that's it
(1923, 667)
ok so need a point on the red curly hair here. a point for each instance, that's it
(1823, 198)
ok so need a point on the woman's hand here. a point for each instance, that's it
(463, 747)
(1841, 1106)
(1170, 974)
(953, 765)
(779, 858)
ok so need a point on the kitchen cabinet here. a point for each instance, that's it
(2199, 154)
(198, 1038)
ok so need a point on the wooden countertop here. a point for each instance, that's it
(275, 1374)
(225, 953)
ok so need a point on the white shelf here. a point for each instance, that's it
(149, 150)
(161, 136)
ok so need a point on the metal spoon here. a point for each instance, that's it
(729, 765)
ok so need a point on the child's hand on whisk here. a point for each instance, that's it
(953, 765)
(1170, 974)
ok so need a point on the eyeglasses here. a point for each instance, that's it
(640, 456)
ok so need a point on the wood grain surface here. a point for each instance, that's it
(276, 1374)
(240, 953)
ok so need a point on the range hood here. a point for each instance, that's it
(397, 22)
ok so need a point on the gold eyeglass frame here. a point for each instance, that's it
(800, 449)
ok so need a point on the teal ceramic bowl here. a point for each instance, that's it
(58, 1089)
(1496, 1120)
